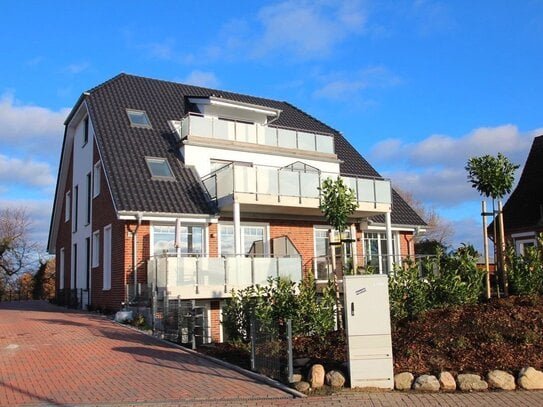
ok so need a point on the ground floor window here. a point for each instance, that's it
(376, 257)
(522, 244)
(191, 239)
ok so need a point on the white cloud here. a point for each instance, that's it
(307, 29)
(201, 78)
(25, 172)
(28, 126)
(77, 67)
(348, 84)
(433, 169)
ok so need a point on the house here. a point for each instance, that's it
(523, 211)
(198, 191)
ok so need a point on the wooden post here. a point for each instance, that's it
(485, 245)
(502, 250)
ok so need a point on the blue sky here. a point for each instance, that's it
(417, 86)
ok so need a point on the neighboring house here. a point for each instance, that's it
(199, 191)
(523, 211)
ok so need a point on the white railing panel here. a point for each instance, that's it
(244, 179)
(309, 183)
(286, 138)
(366, 190)
(270, 136)
(264, 267)
(238, 272)
(221, 130)
(383, 192)
(183, 269)
(201, 126)
(289, 183)
(267, 181)
(306, 141)
(290, 267)
(211, 271)
(225, 182)
(325, 144)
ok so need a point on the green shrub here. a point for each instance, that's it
(408, 291)
(525, 273)
(281, 299)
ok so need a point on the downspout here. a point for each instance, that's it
(134, 233)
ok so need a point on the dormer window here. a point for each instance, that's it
(138, 118)
(159, 168)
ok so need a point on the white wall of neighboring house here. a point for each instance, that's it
(82, 165)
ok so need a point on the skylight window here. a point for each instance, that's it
(159, 168)
(138, 118)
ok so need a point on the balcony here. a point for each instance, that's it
(194, 125)
(296, 187)
(215, 277)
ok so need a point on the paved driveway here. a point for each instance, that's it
(51, 356)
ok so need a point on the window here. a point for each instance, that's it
(138, 118)
(523, 244)
(97, 171)
(68, 206)
(61, 269)
(73, 271)
(159, 168)
(96, 249)
(75, 208)
(89, 199)
(322, 252)
(191, 239)
(87, 261)
(375, 251)
(86, 131)
(253, 240)
(106, 283)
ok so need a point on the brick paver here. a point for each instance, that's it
(51, 356)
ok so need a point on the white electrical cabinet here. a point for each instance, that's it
(367, 312)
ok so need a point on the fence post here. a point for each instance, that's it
(252, 330)
(289, 350)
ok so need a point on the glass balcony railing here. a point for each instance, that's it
(212, 127)
(215, 277)
(272, 181)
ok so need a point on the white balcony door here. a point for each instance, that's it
(254, 239)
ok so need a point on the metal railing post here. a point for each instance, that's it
(252, 333)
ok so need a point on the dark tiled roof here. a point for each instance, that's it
(122, 146)
(522, 209)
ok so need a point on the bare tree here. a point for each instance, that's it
(17, 252)
(438, 229)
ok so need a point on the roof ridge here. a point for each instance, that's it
(101, 85)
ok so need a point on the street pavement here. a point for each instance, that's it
(53, 356)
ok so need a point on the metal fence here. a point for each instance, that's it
(271, 349)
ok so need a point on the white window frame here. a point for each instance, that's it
(520, 245)
(68, 206)
(205, 233)
(106, 269)
(96, 179)
(95, 249)
(265, 237)
(61, 269)
(396, 248)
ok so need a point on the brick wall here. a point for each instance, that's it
(215, 310)
(103, 214)
(64, 236)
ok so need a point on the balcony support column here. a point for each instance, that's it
(237, 229)
(390, 254)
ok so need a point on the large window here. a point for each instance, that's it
(375, 251)
(106, 283)
(96, 248)
(253, 240)
(191, 239)
(61, 270)
(96, 179)
(68, 206)
(89, 199)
